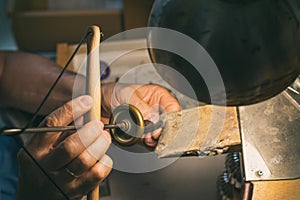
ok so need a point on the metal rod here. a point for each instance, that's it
(16, 131)
(248, 191)
(123, 126)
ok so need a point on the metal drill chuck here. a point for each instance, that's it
(131, 125)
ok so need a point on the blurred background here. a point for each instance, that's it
(49, 18)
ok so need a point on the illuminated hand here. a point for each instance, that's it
(75, 161)
(151, 99)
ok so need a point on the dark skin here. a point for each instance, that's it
(24, 81)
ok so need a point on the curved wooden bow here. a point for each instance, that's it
(93, 88)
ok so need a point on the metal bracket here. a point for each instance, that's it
(270, 139)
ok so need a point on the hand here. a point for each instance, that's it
(151, 99)
(75, 161)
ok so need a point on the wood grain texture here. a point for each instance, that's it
(276, 190)
(207, 129)
(93, 85)
(63, 53)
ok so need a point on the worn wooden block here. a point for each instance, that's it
(206, 130)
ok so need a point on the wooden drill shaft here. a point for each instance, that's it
(93, 85)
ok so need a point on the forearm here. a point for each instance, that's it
(26, 78)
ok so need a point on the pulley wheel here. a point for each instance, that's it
(132, 125)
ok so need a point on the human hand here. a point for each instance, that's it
(151, 99)
(76, 161)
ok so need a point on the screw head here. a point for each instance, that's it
(260, 173)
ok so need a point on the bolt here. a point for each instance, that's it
(260, 173)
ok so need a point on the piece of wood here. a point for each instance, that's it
(276, 190)
(110, 54)
(63, 53)
(93, 85)
(206, 130)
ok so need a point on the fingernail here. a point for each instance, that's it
(150, 142)
(156, 133)
(101, 124)
(86, 100)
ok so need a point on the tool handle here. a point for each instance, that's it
(93, 85)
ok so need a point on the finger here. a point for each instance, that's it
(91, 155)
(62, 137)
(95, 175)
(149, 141)
(158, 95)
(68, 112)
(169, 104)
(79, 121)
(74, 145)
(64, 116)
(156, 134)
(167, 101)
(140, 104)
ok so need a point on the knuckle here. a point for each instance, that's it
(95, 126)
(85, 161)
(51, 120)
(68, 147)
(62, 112)
(66, 110)
(99, 174)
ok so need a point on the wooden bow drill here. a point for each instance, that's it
(93, 88)
(93, 84)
